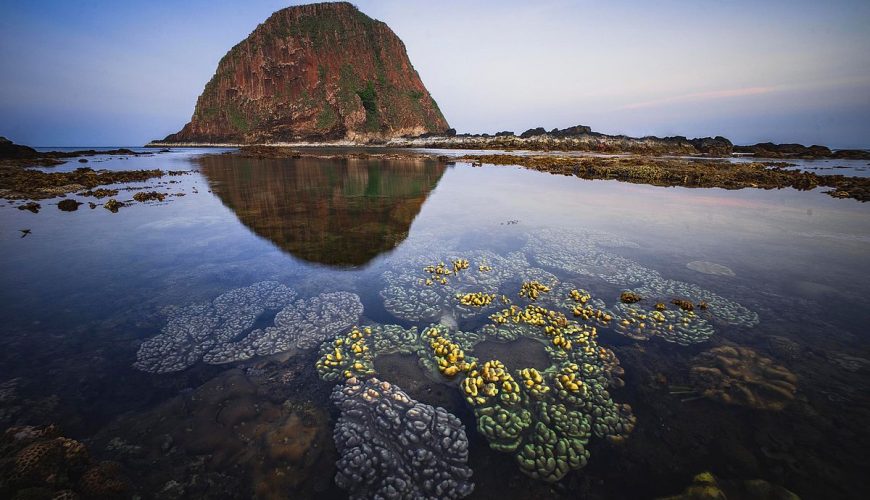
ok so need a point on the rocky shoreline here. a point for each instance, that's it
(638, 169)
(19, 182)
(12, 154)
(579, 138)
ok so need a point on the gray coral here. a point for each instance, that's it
(301, 325)
(210, 331)
(394, 447)
(194, 330)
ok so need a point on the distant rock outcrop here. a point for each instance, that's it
(576, 138)
(771, 150)
(314, 72)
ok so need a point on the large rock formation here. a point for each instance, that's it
(314, 72)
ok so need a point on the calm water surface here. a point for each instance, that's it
(84, 292)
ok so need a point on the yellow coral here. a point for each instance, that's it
(476, 299)
(532, 289)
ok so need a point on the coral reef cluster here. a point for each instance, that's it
(673, 325)
(546, 418)
(394, 447)
(739, 375)
(208, 331)
(586, 254)
(431, 294)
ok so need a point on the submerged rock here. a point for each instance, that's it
(705, 486)
(394, 447)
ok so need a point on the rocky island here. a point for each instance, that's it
(315, 72)
(327, 74)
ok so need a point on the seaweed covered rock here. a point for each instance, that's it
(68, 205)
(739, 375)
(394, 447)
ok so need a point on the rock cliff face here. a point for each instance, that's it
(314, 72)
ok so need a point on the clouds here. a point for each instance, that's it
(691, 68)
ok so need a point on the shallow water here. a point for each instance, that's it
(84, 291)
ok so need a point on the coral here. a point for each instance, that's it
(544, 417)
(583, 253)
(532, 289)
(683, 304)
(40, 459)
(547, 417)
(680, 326)
(582, 305)
(193, 331)
(705, 267)
(717, 306)
(352, 355)
(394, 447)
(208, 331)
(302, 325)
(449, 357)
(476, 299)
(739, 375)
(432, 295)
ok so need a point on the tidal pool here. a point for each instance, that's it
(192, 342)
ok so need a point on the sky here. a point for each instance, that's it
(100, 73)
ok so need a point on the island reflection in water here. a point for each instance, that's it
(335, 212)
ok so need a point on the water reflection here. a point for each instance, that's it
(334, 212)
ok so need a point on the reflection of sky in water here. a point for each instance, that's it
(771, 239)
(79, 293)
